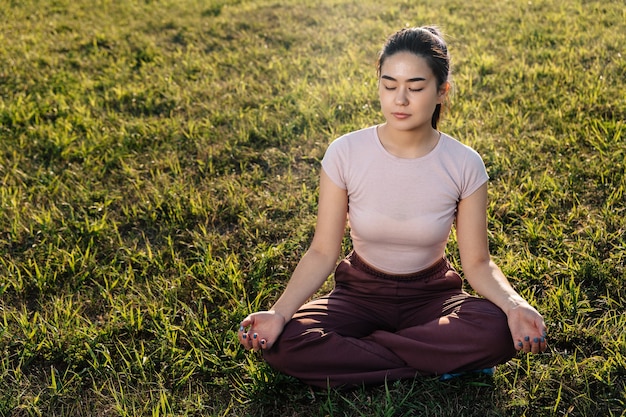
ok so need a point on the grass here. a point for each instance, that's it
(159, 165)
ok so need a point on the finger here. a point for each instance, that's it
(247, 321)
(542, 326)
(543, 330)
(264, 344)
(536, 345)
(240, 335)
(259, 343)
(256, 345)
(245, 341)
(526, 346)
(543, 344)
(242, 340)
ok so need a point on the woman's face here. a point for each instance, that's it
(408, 91)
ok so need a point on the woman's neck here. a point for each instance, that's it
(408, 144)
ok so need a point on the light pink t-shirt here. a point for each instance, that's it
(401, 210)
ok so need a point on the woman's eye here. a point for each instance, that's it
(415, 89)
(390, 88)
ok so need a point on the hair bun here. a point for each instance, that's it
(434, 30)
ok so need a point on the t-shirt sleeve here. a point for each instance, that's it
(334, 163)
(474, 174)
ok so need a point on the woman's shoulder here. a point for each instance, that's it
(359, 140)
(357, 135)
(458, 148)
(343, 153)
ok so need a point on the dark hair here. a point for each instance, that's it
(427, 42)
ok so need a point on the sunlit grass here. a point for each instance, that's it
(158, 168)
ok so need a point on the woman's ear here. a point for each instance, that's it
(445, 88)
(443, 91)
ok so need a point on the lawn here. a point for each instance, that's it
(159, 162)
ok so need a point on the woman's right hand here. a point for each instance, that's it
(260, 330)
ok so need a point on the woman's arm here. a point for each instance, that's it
(260, 330)
(526, 324)
(321, 257)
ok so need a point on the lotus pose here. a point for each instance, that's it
(398, 309)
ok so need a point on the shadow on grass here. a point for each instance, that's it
(273, 394)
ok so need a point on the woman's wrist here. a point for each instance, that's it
(514, 303)
(279, 314)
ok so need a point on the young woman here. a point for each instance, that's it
(398, 309)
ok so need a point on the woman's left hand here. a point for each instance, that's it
(527, 328)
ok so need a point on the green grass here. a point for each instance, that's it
(159, 163)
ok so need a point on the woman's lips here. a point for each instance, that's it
(400, 115)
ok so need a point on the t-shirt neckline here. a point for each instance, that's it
(429, 155)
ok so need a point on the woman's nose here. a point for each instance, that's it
(401, 98)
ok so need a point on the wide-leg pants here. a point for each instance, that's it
(375, 327)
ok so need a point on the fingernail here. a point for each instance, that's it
(545, 334)
(536, 340)
(254, 335)
(526, 339)
(244, 336)
(241, 328)
(262, 341)
(520, 344)
(543, 339)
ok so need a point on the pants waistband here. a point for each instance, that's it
(437, 268)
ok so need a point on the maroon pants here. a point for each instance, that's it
(374, 327)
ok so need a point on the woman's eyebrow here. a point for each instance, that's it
(410, 80)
